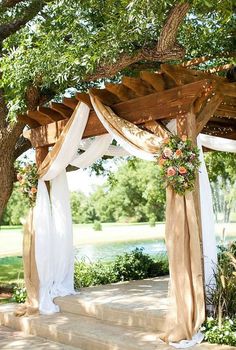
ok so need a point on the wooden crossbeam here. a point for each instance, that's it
(162, 105)
(208, 111)
(121, 91)
(28, 121)
(154, 79)
(39, 117)
(48, 112)
(64, 111)
(139, 86)
(70, 102)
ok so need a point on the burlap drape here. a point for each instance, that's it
(182, 235)
(30, 269)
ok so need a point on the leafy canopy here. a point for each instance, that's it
(69, 40)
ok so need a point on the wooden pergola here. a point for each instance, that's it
(173, 92)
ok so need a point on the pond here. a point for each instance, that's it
(107, 251)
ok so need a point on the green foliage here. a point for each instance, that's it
(19, 294)
(129, 266)
(93, 274)
(69, 40)
(17, 207)
(27, 177)
(220, 334)
(97, 226)
(221, 169)
(222, 297)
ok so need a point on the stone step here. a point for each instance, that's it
(82, 332)
(10, 340)
(88, 333)
(135, 303)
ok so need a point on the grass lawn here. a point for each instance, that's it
(11, 272)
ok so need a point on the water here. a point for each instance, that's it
(107, 251)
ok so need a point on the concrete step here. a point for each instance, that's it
(135, 303)
(10, 340)
(82, 332)
(88, 333)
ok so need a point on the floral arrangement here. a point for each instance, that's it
(179, 161)
(28, 180)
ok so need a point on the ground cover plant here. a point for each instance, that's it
(220, 328)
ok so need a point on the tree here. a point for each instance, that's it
(49, 46)
(221, 169)
(133, 193)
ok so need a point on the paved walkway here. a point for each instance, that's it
(10, 340)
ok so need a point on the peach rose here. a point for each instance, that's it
(178, 153)
(184, 138)
(161, 161)
(167, 152)
(171, 171)
(33, 190)
(182, 170)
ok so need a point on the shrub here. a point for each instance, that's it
(223, 334)
(222, 297)
(152, 221)
(19, 294)
(129, 266)
(97, 226)
(93, 274)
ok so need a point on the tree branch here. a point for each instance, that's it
(30, 12)
(22, 145)
(9, 3)
(165, 49)
(169, 31)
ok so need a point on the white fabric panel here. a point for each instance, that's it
(131, 149)
(218, 143)
(53, 233)
(112, 151)
(43, 248)
(71, 143)
(95, 151)
(184, 344)
(208, 223)
(62, 236)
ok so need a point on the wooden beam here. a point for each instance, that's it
(83, 97)
(64, 111)
(39, 117)
(70, 102)
(121, 91)
(154, 79)
(228, 89)
(208, 111)
(182, 76)
(48, 112)
(139, 86)
(105, 96)
(163, 105)
(28, 121)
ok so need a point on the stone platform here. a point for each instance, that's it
(124, 316)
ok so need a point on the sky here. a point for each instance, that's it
(80, 180)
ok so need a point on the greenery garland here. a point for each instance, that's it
(28, 180)
(179, 161)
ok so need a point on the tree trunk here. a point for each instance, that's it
(8, 139)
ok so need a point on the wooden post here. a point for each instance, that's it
(41, 153)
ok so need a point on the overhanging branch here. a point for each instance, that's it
(29, 13)
(165, 49)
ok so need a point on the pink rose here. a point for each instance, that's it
(167, 152)
(171, 171)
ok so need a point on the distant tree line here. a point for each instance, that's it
(135, 193)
